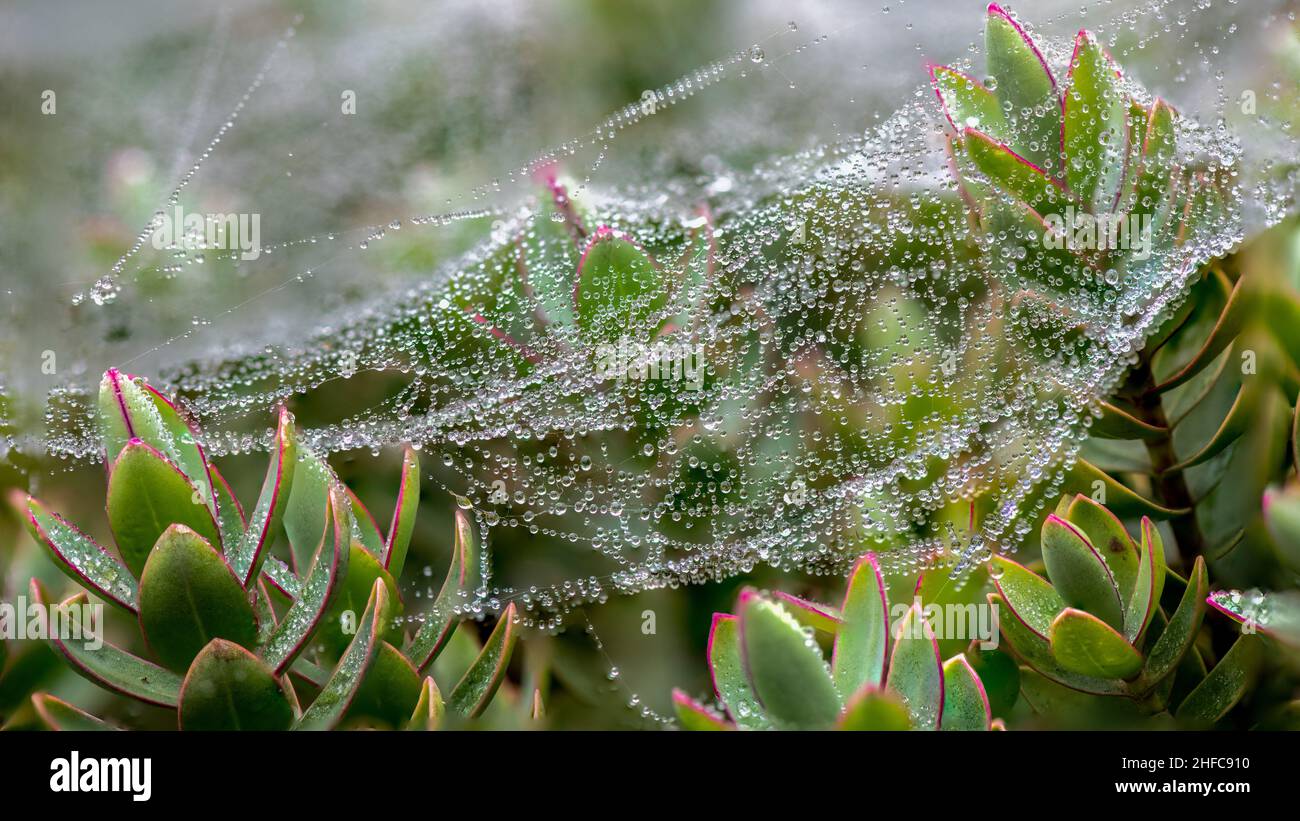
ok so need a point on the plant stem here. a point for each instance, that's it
(1170, 486)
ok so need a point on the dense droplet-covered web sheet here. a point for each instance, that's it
(787, 363)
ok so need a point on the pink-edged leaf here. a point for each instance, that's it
(809, 613)
(1148, 586)
(1025, 88)
(246, 556)
(618, 290)
(462, 576)
(472, 694)
(365, 530)
(862, 645)
(727, 671)
(695, 716)
(81, 558)
(967, 103)
(874, 709)
(916, 670)
(107, 665)
(403, 523)
(1078, 572)
(339, 692)
(965, 703)
(58, 715)
(328, 566)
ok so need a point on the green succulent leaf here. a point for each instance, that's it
(1275, 614)
(461, 575)
(429, 707)
(695, 716)
(81, 558)
(1036, 652)
(341, 690)
(1027, 181)
(968, 104)
(618, 288)
(58, 715)
(727, 668)
(1225, 684)
(999, 674)
(1117, 423)
(873, 709)
(1084, 644)
(1095, 133)
(1025, 88)
(809, 613)
(111, 667)
(1107, 535)
(1226, 328)
(1184, 624)
(246, 556)
(146, 495)
(1157, 161)
(472, 694)
(916, 670)
(965, 704)
(785, 667)
(365, 530)
(1122, 501)
(129, 408)
(1078, 572)
(862, 645)
(1031, 598)
(230, 514)
(328, 567)
(1149, 584)
(403, 524)
(305, 517)
(228, 688)
(189, 596)
(350, 597)
(390, 690)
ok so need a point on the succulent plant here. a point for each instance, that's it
(1096, 624)
(225, 621)
(770, 672)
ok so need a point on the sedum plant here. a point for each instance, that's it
(770, 673)
(239, 638)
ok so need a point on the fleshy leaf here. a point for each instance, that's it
(246, 556)
(1026, 89)
(146, 495)
(618, 289)
(695, 716)
(874, 709)
(785, 666)
(999, 674)
(1276, 614)
(365, 530)
(1184, 624)
(1083, 476)
(429, 708)
(810, 613)
(1030, 597)
(339, 692)
(965, 704)
(1225, 684)
(1156, 164)
(189, 596)
(306, 517)
(328, 566)
(441, 618)
(1004, 167)
(1095, 134)
(472, 694)
(862, 644)
(1148, 585)
(58, 715)
(403, 524)
(1084, 644)
(111, 667)
(1079, 573)
(230, 515)
(727, 669)
(1107, 535)
(350, 597)
(916, 670)
(129, 408)
(967, 103)
(228, 688)
(390, 690)
(1117, 423)
(1034, 650)
(81, 558)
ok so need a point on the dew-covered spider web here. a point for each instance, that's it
(784, 357)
